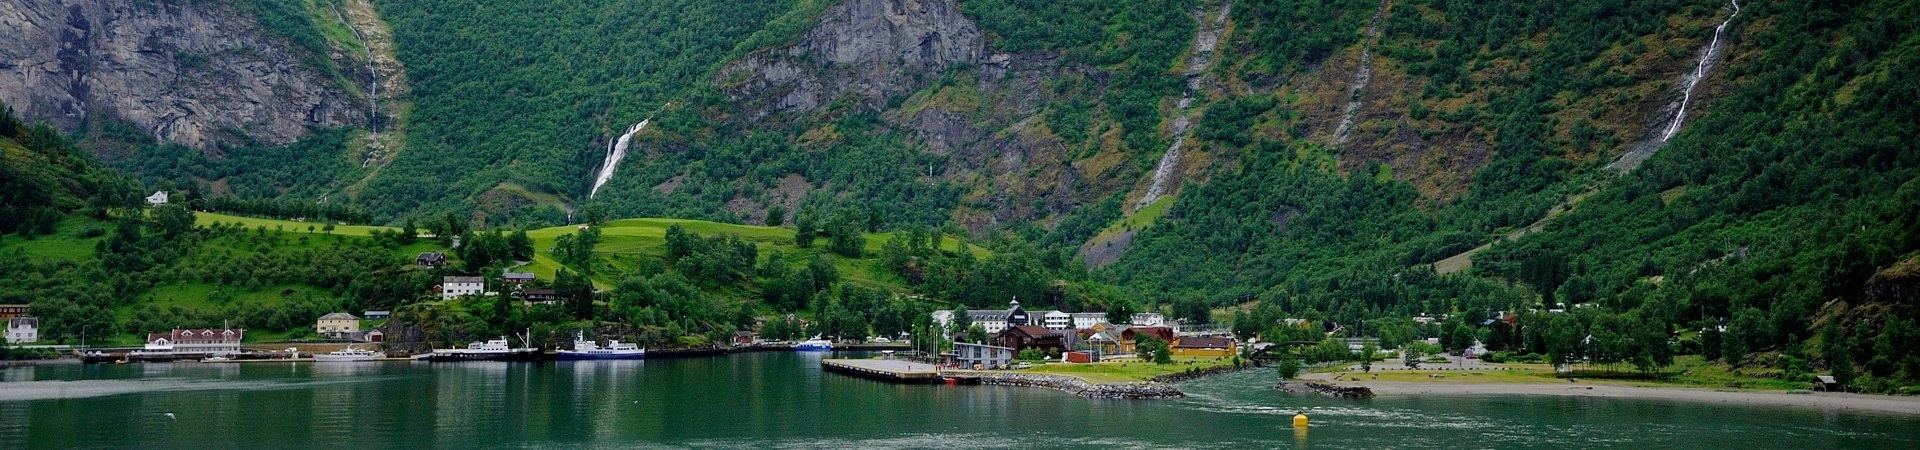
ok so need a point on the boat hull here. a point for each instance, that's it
(812, 348)
(577, 356)
(485, 356)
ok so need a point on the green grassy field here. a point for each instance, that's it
(622, 241)
(1127, 370)
(207, 218)
(64, 244)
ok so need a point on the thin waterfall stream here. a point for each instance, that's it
(1691, 80)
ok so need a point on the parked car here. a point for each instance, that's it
(1023, 366)
(882, 340)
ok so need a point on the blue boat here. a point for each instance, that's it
(584, 349)
(814, 345)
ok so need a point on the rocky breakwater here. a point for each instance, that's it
(1328, 389)
(1082, 387)
(1195, 374)
(186, 72)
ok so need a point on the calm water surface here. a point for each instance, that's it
(783, 400)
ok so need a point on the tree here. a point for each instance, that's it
(1367, 353)
(1031, 354)
(806, 228)
(776, 215)
(519, 245)
(1289, 367)
(1153, 349)
(1414, 353)
(961, 319)
(1120, 312)
(172, 221)
(574, 291)
(977, 334)
(408, 232)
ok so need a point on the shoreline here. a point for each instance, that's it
(1826, 401)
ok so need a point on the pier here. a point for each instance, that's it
(884, 369)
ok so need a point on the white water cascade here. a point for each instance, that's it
(1700, 72)
(1692, 79)
(373, 90)
(1360, 79)
(616, 151)
(1200, 58)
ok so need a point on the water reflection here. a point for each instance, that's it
(783, 400)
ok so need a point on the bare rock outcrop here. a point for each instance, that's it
(865, 50)
(186, 72)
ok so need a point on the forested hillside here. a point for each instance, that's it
(1736, 178)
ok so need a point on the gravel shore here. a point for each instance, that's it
(1818, 400)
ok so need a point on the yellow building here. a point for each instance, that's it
(1204, 346)
(337, 325)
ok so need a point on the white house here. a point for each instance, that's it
(1085, 320)
(202, 340)
(158, 198)
(993, 320)
(1056, 320)
(1149, 320)
(451, 287)
(23, 330)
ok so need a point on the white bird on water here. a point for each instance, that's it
(170, 416)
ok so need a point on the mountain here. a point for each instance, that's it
(1683, 165)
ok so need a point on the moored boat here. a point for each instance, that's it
(814, 345)
(491, 350)
(584, 349)
(349, 354)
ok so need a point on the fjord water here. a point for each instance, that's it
(782, 400)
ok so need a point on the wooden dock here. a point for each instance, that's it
(884, 369)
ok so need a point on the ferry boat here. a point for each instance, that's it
(491, 350)
(584, 349)
(350, 354)
(814, 345)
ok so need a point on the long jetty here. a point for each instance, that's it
(884, 369)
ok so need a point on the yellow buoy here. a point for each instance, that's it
(1300, 420)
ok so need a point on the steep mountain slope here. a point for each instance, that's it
(192, 73)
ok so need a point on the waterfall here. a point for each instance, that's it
(616, 150)
(1200, 58)
(373, 90)
(1699, 72)
(1360, 79)
(1692, 79)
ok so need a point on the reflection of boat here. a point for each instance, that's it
(585, 349)
(349, 354)
(491, 350)
(814, 345)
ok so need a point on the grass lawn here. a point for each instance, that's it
(1688, 371)
(1127, 370)
(207, 218)
(65, 244)
(624, 241)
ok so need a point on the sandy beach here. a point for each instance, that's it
(1818, 400)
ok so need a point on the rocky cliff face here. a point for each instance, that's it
(187, 72)
(867, 50)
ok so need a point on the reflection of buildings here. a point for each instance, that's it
(471, 398)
